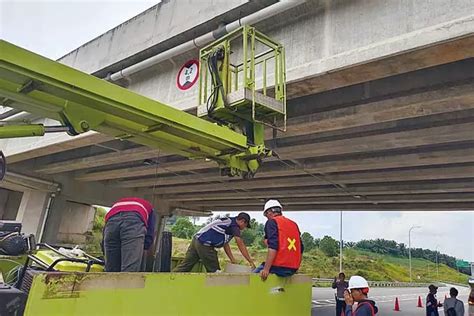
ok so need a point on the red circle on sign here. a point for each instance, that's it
(193, 66)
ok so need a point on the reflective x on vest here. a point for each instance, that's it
(291, 243)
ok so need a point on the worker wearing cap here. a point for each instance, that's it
(217, 234)
(358, 291)
(282, 237)
(432, 303)
(129, 229)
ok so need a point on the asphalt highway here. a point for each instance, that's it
(323, 303)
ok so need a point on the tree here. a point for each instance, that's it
(329, 246)
(317, 242)
(384, 246)
(253, 235)
(183, 228)
(94, 237)
(248, 236)
(349, 244)
(308, 241)
(99, 219)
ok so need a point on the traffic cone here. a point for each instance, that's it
(397, 306)
(420, 304)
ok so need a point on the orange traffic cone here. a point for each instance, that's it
(420, 304)
(397, 306)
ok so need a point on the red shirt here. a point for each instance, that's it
(131, 204)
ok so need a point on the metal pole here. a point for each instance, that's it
(340, 243)
(409, 251)
(437, 264)
(409, 248)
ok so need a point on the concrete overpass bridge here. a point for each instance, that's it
(380, 115)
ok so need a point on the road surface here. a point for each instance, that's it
(324, 305)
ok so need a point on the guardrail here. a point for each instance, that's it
(321, 281)
(456, 284)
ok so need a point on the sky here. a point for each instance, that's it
(54, 28)
(450, 232)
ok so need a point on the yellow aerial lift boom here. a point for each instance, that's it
(230, 130)
(241, 90)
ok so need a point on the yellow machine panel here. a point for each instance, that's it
(49, 257)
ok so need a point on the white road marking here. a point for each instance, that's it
(390, 298)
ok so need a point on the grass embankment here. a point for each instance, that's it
(375, 267)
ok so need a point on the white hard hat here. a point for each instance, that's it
(357, 282)
(270, 204)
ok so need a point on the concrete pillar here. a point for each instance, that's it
(53, 220)
(32, 211)
(3, 201)
(9, 204)
(67, 222)
(12, 205)
(76, 220)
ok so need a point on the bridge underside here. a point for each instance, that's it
(394, 142)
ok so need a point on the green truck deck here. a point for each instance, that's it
(176, 294)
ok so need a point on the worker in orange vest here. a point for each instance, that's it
(282, 237)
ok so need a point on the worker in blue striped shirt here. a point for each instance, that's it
(217, 234)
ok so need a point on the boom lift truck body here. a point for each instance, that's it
(241, 90)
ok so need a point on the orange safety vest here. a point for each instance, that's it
(289, 244)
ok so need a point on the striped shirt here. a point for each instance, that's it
(219, 232)
(131, 204)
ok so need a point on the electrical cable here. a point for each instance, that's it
(8, 235)
(13, 275)
(8, 278)
(217, 85)
(240, 191)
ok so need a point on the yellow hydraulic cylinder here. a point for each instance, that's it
(10, 131)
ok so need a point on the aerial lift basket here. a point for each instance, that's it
(242, 81)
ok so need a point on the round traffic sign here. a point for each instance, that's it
(188, 74)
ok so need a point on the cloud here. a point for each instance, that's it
(54, 28)
(452, 232)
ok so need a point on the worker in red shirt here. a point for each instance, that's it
(129, 229)
(282, 237)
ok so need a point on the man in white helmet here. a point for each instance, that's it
(282, 237)
(358, 291)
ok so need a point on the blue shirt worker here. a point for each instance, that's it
(282, 237)
(129, 229)
(217, 234)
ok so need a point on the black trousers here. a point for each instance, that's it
(340, 307)
(124, 237)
